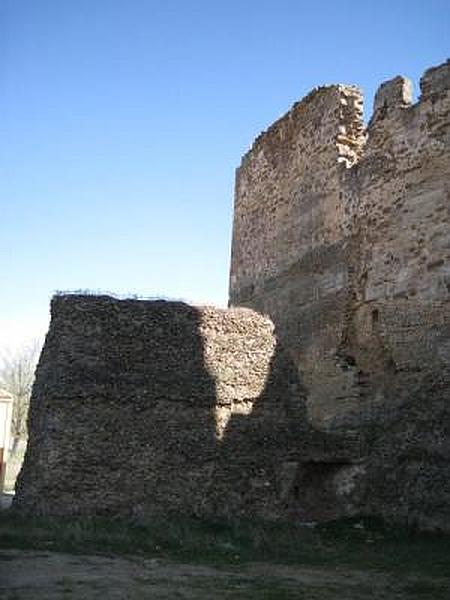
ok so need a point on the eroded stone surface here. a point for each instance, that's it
(342, 236)
(135, 404)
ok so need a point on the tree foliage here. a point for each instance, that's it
(16, 377)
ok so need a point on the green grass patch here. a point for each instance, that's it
(351, 543)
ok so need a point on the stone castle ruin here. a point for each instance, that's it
(324, 390)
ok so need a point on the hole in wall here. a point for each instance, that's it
(375, 316)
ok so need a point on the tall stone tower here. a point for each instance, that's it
(342, 236)
(290, 237)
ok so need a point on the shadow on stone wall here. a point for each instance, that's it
(387, 458)
(122, 410)
(288, 468)
(123, 420)
(123, 417)
(256, 446)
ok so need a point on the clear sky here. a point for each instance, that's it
(122, 122)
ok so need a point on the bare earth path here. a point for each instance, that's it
(32, 575)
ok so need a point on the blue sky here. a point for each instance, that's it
(122, 122)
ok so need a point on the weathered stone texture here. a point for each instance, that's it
(131, 403)
(350, 259)
(342, 237)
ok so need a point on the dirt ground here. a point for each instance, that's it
(31, 575)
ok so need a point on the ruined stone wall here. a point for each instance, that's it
(328, 245)
(138, 407)
(287, 188)
(401, 220)
(289, 253)
(341, 240)
(363, 304)
(147, 407)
